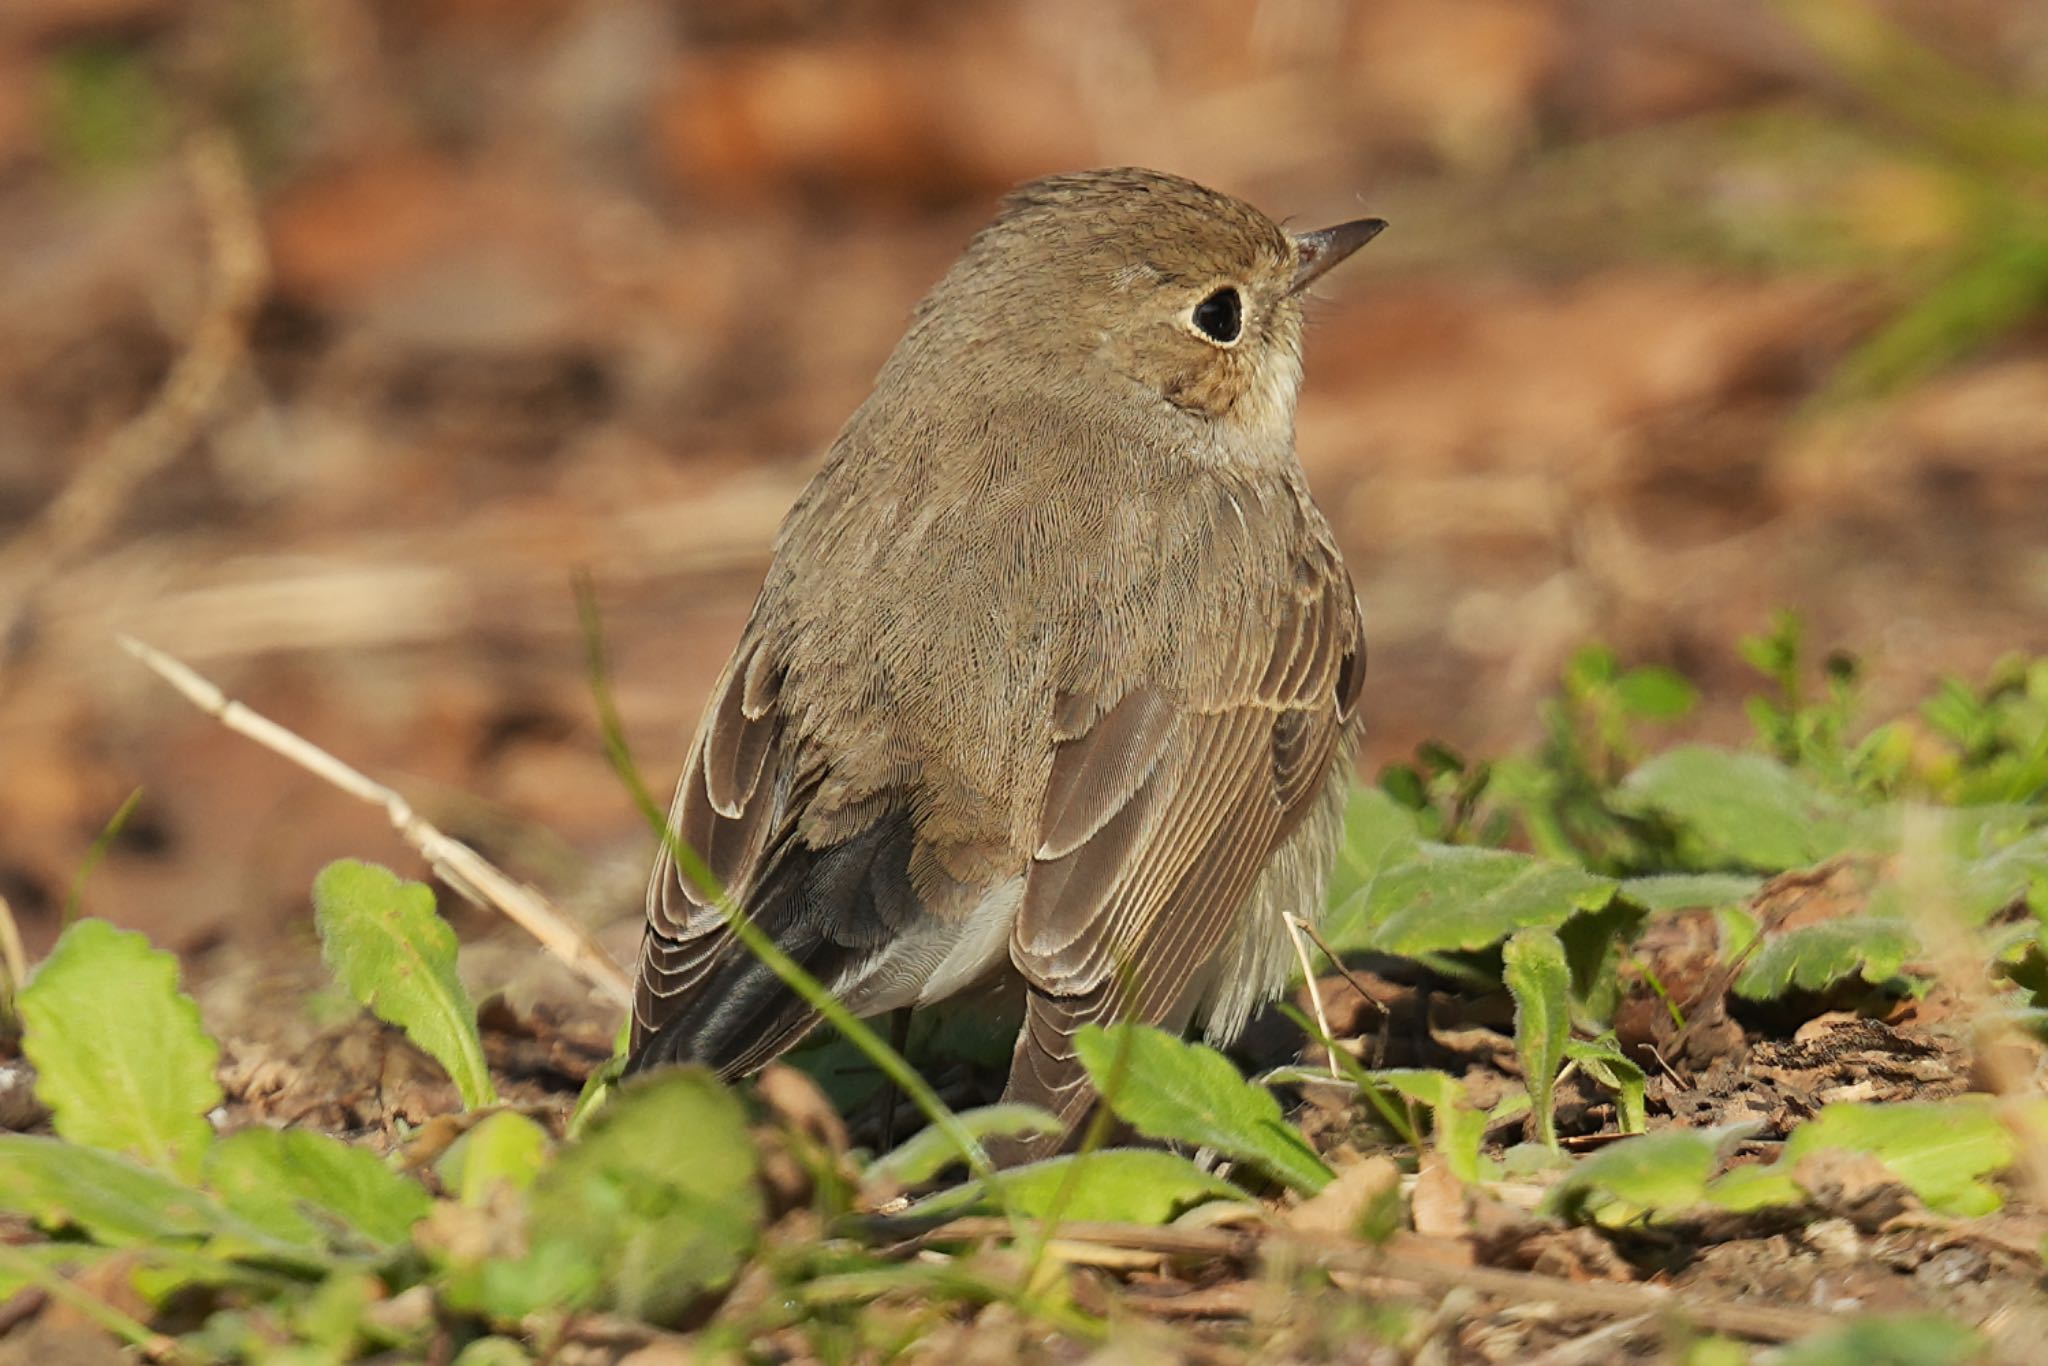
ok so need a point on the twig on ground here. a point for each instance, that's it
(1588, 1349)
(1379, 1058)
(1408, 1261)
(458, 865)
(109, 476)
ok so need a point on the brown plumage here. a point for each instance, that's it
(1056, 667)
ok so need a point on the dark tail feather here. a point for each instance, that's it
(832, 910)
(739, 1020)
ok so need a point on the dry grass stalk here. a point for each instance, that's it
(454, 862)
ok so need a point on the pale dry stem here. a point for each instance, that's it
(461, 867)
(1295, 925)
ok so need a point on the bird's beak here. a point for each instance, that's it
(1325, 247)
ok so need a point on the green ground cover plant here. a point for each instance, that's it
(1541, 881)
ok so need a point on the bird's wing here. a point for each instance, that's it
(1160, 815)
(701, 995)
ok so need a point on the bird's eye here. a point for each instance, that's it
(1220, 317)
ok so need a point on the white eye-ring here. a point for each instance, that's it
(1220, 317)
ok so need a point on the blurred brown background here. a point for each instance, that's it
(336, 337)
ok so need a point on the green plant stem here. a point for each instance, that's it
(153, 1345)
(96, 854)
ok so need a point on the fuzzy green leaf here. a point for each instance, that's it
(1662, 1173)
(396, 956)
(1379, 834)
(1119, 1185)
(111, 1198)
(314, 1190)
(1168, 1088)
(1735, 809)
(505, 1149)
(1939, 1149)
(1603, 1061)
(1685, 891)
(121, 1056)
(1815, 957)
(653, 1206)
(1452, 897)
(1538, 978)
(1460, 1127)
(931, 1150)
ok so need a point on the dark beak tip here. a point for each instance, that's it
(1324, 248)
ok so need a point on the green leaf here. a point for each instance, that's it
(27, 1265)
(1167, 1088)
(1117, 1185)
(1752, 1187)
(121, 1056)
(1887, 1340)
(1593, 945)
(1734, 809)
(1661, 1173)
(1460, 1127)
(656, 1204)
(1815, 957)
(1379, 833)
(1940, 1149)
(1454, 897)
(505, 1149)
(1537, 977)
(932, 1149)
(113, 1199)
(392, 951)
(303, 1187)
(493, 1351)
(1687, 891)
(1603, 1061)
(1656, 693)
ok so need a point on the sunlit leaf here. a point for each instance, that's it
(313, 1189)
(931, 1150)
(1686, 891)
(1379, 833)
(654, 1205)
(396, 956)
(1815, 957)
(1940, 1149)
(1737, 810)
(111, 1198)
(1451, 897)
(1171, 1089)
(505, 1149)
(1661, 1173)
(1459, 1126)
(1534, 967)
(121, 1056)
(1118, 1185)
(1603, 1061)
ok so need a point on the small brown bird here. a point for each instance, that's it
(1056, 669)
